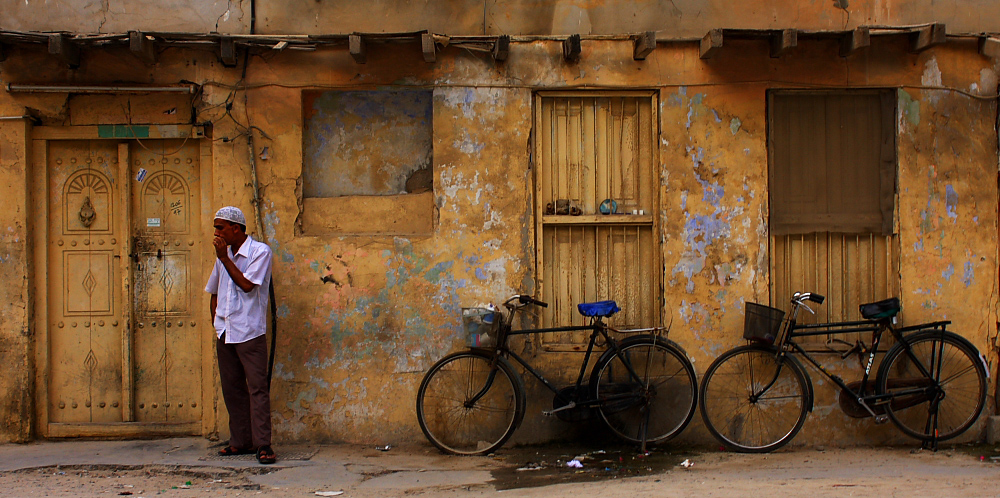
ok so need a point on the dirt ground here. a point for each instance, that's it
(963, 471)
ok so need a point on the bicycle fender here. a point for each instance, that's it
(940, 333)
(643, 339)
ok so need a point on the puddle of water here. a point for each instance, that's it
(533, 466)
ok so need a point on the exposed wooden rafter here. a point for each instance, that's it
(928, 36)
(142, 47)
(227, 51)
(358, 48)
(711, 43)
(783, 42)
(501, 48)
(990, 46)
(427, 47)
(855, 40)
(643, 45)
(67, 51)
(572, 48)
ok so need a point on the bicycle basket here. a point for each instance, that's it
(480, 327)
(762, 323)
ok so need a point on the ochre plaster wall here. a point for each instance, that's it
(361, 318)
(15, 332)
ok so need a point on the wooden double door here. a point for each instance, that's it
(124, 342)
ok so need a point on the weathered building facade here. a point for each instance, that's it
(400, 160)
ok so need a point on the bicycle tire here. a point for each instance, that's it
(443, 412)
(960, 378)
(743, 418)
(662, 405)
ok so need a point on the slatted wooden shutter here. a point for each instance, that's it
(832, 193)
(591, 147)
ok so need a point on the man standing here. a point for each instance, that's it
(239, 288)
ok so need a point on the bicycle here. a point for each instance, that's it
(931, 383)
(643, 387)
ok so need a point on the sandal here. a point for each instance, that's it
(266, 455)
(233, 451)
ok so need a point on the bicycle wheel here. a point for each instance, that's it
(956, 388)
(456, 423)
(752, 401)
(658, 404)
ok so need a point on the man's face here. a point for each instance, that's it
(227, 231)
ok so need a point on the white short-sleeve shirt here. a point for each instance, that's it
(242, 315)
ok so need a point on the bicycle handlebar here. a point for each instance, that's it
(523, 299)
(798, 297)
(530, 300)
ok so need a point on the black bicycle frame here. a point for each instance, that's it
(877, 328)
(597, 329)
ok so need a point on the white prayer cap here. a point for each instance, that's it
(233, 214)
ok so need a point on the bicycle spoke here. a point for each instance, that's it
(751, 402)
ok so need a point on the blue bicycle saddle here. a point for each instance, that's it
(600, 308)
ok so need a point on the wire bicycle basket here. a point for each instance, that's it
(762, 323)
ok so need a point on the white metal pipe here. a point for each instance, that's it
(99, 89)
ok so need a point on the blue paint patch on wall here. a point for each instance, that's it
(948, 272)
(283, 311)
(951, 201)
(434, 275)
(968, 276)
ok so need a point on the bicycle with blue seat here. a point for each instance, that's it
(642, 386)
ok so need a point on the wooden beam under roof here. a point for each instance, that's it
(643, 45)
(572, 48)
(854, 40)
(990, 46)
(67, 51)
(427, 47)
(142, 47)
(711, 43)
(227, 51)
(358, 48)
(929, 36)
(783, 42)
(501, 48)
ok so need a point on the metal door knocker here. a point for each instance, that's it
(87, 213)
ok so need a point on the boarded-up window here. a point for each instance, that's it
(832, 192)
(593, 147)
(367, 162)
(833, 162)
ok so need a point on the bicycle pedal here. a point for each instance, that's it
(881, 419)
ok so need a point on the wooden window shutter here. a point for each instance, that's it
(832, 162)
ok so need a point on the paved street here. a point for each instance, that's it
(188, 467)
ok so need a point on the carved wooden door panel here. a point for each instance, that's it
(123, 254)
(85, 302)
(166, 244)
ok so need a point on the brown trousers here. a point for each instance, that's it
(243, 371)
